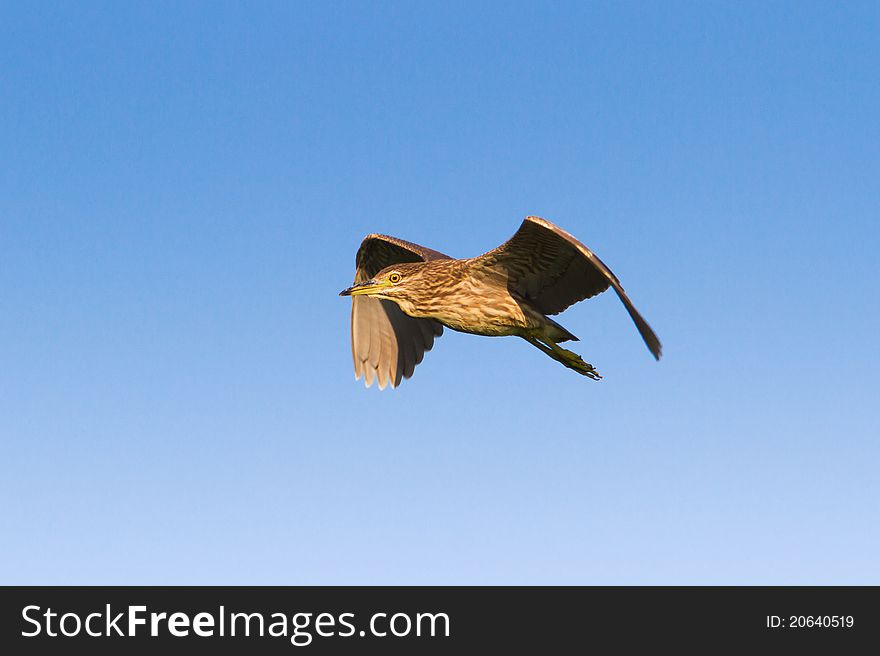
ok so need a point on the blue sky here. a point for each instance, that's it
(183, 189)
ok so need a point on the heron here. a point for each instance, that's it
(405, 294)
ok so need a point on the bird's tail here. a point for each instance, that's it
(559, 333)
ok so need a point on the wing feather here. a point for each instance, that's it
(552, 270)
(386, 343)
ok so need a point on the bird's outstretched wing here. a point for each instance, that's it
(387, 344)
(551, 270)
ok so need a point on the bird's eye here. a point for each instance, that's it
(394, 278)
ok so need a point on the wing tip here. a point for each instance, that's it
(380, 381)
(651, 339)
(657, 352)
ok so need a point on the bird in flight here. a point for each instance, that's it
(404, 294)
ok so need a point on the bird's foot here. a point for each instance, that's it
(576, 362)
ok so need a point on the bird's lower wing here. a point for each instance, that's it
(386, 343)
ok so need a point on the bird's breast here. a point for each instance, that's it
(479, 306)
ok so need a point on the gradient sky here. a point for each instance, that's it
(183, 189)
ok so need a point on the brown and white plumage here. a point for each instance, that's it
(386, 344)
(552, 270)
(405, 293)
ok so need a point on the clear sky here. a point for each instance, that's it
(183, 187)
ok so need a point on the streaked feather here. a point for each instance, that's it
(551, 270)
(387, 344)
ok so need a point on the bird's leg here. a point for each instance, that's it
(568, 358)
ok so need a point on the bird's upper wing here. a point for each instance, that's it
(386, 343)
(551, 270)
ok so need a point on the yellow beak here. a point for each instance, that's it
(368, 287)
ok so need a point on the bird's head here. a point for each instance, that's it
(400, 283)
